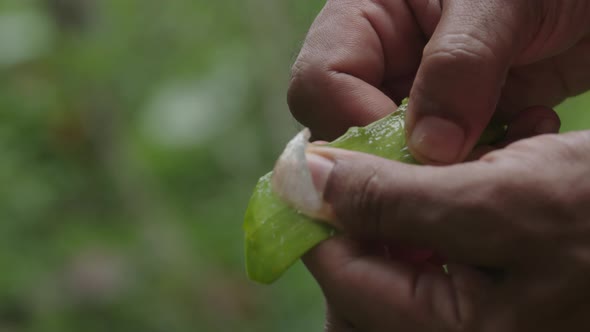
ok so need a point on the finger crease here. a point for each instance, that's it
(367, 17)
(370, 203)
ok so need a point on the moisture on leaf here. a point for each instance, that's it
(276, 234)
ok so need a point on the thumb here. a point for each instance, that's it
(460, 78)
(448, 209)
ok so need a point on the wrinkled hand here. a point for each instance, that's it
(523, 210)
(463, 60)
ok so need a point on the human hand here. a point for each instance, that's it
(368, 291)
(523, 210)
(461, 59)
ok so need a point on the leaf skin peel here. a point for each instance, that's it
(292, 180)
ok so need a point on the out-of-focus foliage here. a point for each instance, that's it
(575, 113)
(132, 132)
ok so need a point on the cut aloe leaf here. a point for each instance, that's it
(277, 235)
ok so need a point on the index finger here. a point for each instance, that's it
(357, 58)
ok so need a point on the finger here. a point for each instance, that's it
(355, 50)
(459, 211)
(547, 82)
(461, 75)
(533, 121)
(471, 286)
(377, 294)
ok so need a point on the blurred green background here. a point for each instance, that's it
(132, 132)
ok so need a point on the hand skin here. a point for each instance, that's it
(460, 61)
(523, 210)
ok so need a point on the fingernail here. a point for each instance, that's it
(320, 168)
(437, 139)
(547, 126)
(300, 176)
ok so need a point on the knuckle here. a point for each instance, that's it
(305, 74)
(493, 157)
(460, 47)
(299, 76)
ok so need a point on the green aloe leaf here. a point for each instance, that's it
(276, 235)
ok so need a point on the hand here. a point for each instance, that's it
(523, 210)
(367, 291)
(463, 60)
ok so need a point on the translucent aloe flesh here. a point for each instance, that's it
(276, 235)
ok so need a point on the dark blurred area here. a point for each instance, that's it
(132, 133)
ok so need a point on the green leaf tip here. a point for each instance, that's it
(276, 235)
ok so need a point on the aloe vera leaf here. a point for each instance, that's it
(276, 235)
(384, 138)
